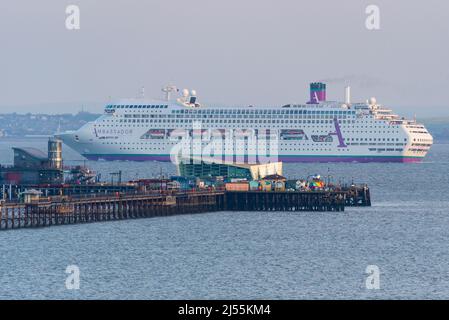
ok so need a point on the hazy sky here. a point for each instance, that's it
(230, 51)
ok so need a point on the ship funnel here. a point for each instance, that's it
(317, 92)
(55, 153)
(348, 95)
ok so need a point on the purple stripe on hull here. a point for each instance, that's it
(291, 159)
(348, 159)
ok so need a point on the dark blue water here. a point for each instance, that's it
(243, 255)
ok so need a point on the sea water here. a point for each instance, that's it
(247, 255)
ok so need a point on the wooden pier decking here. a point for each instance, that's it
(64, 210)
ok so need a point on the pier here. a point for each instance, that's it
(35, 193)
(62, 211)
(285, 201)
(77, 209)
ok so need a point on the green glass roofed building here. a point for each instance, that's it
(208, 167)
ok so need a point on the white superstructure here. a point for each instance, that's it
(325, 131)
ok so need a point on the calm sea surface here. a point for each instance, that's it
(247, 255)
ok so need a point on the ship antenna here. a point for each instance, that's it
(142, 92)
(168, 90)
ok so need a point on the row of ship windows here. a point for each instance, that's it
(281, 149)
(375, 144)
(230, 112)
(113, 131)
(106, 131)
(383, 149)
(297, 149)
(303, 144)
(421, 144)
(301, 141)
(231, 121)
(184, 120)
(373, 139)
(414, 127)
(135, 122)
(127, 116)
(258, 111)
(136, 107)
(330, 123)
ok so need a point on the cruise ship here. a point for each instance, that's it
(316, 131)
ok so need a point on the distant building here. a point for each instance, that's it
(32, 166)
